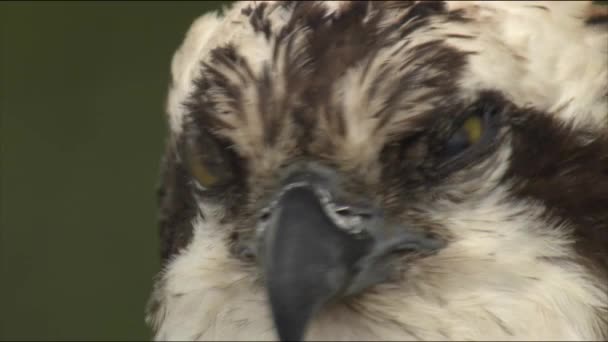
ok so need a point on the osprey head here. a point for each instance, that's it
(387, 170)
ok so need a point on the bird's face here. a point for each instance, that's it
(347, 167)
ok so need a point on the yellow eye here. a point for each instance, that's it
(473, 128)
(468, 134)
(203, 173)
(208, 162)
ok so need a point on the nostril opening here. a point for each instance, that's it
(265, 215)
(344, 211)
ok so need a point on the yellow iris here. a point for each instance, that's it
(207, 161)
(473, 128)
(202, 173)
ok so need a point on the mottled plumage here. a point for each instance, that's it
(326, 134)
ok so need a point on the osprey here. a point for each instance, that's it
(383, 170)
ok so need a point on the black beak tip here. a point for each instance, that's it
(290, 330)
(294, 300)
(306, 262)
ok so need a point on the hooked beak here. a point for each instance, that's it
(309, 258)
(308, 262)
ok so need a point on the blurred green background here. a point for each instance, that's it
(82, 94)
